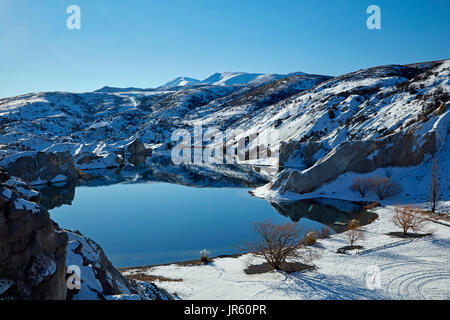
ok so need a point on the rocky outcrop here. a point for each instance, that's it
(99, 278)
(44, 167)
(136, 153)
(36, 255)
(137, 148)
(32, 248)
(400, 149)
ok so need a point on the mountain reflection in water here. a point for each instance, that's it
(334, 213)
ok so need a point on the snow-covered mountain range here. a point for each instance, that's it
(315, 116)
(217, 79)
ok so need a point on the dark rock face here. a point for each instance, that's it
(44, 167)
(400, 149)
(32, 248)
(137, 147)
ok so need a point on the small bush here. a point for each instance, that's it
(204, 255)
(353, 233)
(310, 238)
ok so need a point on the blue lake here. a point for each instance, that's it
(151, 223)
(143, 223)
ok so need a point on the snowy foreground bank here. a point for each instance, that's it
(386, 268)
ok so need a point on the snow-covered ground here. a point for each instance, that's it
(387, 268)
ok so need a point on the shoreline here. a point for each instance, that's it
(181, 263)
(195, 262)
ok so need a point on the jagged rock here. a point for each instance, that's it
(137, 152)
(44, 167)
(99, 279)
(137, 147)
(32, 248)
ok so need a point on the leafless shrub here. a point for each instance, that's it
(310, 238)
(408, 217)
(354, 232)
(434, 185)
(384, 187)
(361, 185)
(277, 243)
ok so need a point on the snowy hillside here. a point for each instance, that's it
(180, 82)
(235, 78)
(95, 127)
(314, 116)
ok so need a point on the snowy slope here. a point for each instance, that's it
(360, 105)
(179, 82)
(234, 78)
(96, 125)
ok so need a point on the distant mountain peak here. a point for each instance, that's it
(241, 78)
(180, 82)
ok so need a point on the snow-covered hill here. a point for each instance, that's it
(179, 82)
(94, 127)
(318, 119)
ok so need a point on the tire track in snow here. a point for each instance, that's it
(429, 283)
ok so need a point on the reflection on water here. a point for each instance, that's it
(333, 213)
(153, 214)
(56, 195)
(150, 223)
(155, 169)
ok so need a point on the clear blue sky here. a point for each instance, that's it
(147, 43)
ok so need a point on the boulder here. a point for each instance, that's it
(136, 152)
(32, 248)
(44, 167)
(137, 148)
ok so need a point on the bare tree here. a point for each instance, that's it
(361, 185)
(354, 232)
(277, 243)
(384, 187)
(434, 185)
(408, 217)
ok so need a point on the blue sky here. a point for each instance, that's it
(147, 43)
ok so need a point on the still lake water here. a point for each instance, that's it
(151, 223)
